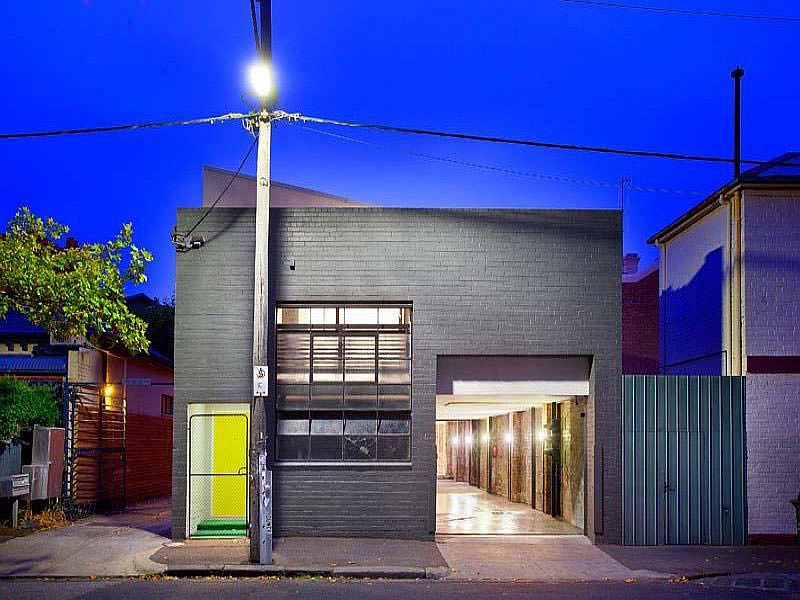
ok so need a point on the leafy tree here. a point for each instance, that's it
(74, 291)
(160, 319)
(23, 405)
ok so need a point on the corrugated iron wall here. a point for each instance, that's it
(684, 460)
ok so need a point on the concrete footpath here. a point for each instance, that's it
(136, 543)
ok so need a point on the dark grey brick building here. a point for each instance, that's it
(470, 283)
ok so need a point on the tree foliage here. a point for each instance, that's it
(160, 319)
(23, 405)
(73, 291)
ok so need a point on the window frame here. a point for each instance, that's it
(347, 406)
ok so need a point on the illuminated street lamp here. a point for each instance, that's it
(260, 78)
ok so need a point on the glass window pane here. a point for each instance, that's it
(293, 397)
(394, 371)
(361, 315)
(292, 447)
(359, 358)
(292, 426)
(326, 358)
(326, 447)
(394, 424)
(326, 395)
(394, 447)
(293, 315)
(361, 425)
(390, 316)
(326, 426)
(394, 346)
(394, 397)
(293, 357)
(360, 396)
(359, 448)
(323, 315)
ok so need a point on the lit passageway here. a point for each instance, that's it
(464, 509)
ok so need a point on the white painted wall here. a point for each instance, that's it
(694, 269)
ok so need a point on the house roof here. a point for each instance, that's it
(229, 189)
(16, 323)
(23, 364)
(781, 171)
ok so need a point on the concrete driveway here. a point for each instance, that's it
(533, 558)
(104, 546)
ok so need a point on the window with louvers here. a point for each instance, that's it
(344, 383)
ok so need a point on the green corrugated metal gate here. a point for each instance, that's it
(683, 445)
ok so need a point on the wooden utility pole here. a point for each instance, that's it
(260, 474)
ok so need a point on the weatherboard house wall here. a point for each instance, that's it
(482, 282)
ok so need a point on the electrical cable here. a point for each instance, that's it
(686, 11)
(179, 239)
(283, 115)
(254, 18)
(522, 142)
(127, 127)
(495, 168)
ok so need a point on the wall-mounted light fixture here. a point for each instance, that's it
(108, 390)
(541, 435)
(467, 439)
(509, 437)
(454, 440)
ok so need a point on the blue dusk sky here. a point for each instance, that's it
(542, 69)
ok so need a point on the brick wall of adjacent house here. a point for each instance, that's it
(772, 330)
(148, 457)
(640, 325)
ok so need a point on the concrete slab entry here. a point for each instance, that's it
(464, 509)
(533, 558)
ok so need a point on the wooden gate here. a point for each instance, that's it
(95, 463)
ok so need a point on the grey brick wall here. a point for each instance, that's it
(481, 282)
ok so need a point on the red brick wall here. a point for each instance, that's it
(640, 354)
(148, 457)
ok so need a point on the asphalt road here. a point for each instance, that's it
(278, 589)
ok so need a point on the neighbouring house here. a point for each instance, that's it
(390, 331)
(640, 343)
(729, 274)
(116, 410)
(220, 186)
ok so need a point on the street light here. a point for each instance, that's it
(261, 82)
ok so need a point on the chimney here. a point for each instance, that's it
(630, 264)
(71, 243)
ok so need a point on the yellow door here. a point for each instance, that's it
(229, 492)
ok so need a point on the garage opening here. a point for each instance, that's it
(511, 444)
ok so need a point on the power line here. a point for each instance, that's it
(498, 169)
(281, 115)
(523, 142)
(686, 11)
(179, 239)
(254, 19)
(127, 127)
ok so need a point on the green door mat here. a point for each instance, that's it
(221, 528)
